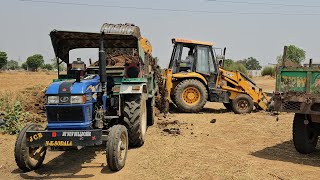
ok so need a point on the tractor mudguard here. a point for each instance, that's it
(133, 88)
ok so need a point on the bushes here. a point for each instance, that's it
(268, 71)
(12, 113)
(235, 66)
(18, 109)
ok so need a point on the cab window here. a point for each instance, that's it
(203, 60)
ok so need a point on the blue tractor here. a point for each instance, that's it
(110, 101)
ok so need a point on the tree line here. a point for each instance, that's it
(33, 63)
(294, 53)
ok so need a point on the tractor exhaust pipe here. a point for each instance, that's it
(102, 65)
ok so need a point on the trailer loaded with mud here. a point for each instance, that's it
(298, 91)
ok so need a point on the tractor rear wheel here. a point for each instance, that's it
(190, 96)
(135, 119)
(242, 104)
(28, 158)
(117, 147)
(305, 135)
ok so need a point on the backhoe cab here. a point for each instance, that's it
(195, 75)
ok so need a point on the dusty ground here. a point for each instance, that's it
(188, 146)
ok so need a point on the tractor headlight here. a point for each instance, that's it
(78, 99)
(52, 99)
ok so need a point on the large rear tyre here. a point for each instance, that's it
(305, 136)
(150, 111)
(135, 119)
(242, 104)
(28, 158)
(117, 147)
(190, 96)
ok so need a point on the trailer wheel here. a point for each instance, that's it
(150, 111)
(190, 96)
(305, 136)
(135, 119)
(242, 104)
(28, 158)
(117, 147)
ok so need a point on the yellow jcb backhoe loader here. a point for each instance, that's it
(194, 77)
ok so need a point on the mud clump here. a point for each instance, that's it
(172, 128)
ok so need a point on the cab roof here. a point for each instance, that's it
(187, 41)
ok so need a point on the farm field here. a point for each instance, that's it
(179, 146)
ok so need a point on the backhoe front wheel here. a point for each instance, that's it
(242, 104)
(135, 119)
(190, 96)
(117, 147)
(28, 158)
(305, 134)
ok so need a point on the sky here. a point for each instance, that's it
(248, 28)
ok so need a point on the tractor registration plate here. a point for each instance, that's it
(64, 138)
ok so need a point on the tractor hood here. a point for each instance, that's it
(73, 87)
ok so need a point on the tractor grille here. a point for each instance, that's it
(67, 114)
(289, 105)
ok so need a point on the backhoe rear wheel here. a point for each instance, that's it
(305, 136)
(28, 158)
(242, 104)
(190, 96)
(135, 119)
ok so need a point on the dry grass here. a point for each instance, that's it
(17, 81)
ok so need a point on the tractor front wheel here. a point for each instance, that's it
(28, 158)
(135, 119)
(117, 147)
(242, 104)
(190, 96)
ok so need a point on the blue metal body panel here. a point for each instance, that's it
(85, 87)
(75, 124)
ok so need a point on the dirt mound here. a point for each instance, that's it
(34, 103)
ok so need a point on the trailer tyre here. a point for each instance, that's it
(135, 119)
(117, 147)
(150, 111)
(28, 158)
(242, 104)
(305, 136)
(190, 96)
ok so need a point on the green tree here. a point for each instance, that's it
(47, 67)
(34, 62)
(294, 54)
(13, 65)
(231, 65)
(228, 64)
(251, 63)
(3, 59)
(24, 66)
